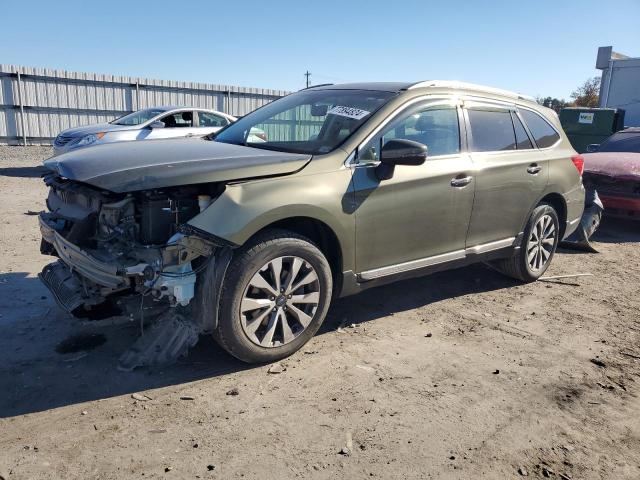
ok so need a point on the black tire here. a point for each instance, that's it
(518, 265)
(247, 262)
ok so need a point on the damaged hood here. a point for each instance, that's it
(130, 166)
(619, 165)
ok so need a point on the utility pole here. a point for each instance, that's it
(307, 74)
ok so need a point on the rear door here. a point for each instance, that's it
(421, 212)
(511, 172)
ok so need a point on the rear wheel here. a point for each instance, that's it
(274, 298)
(538, 246)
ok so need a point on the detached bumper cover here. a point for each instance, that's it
(589, 223)
(64, 285)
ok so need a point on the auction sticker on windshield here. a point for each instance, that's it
(349, 112)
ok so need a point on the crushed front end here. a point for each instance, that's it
(123, 253)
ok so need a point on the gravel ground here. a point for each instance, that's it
(463, 374)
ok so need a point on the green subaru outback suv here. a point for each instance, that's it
(249, 237)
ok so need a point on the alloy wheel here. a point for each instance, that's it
(280, 301)
(541, 243)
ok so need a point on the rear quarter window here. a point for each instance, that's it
(543, 133)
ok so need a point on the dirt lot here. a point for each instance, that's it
(463, 374)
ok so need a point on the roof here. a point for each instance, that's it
(402, 86)
(168, 108)
(457, 85)
(379, 86)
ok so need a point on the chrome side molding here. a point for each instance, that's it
(436, 259)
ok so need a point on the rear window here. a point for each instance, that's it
(491, 130)
(543, 133)
(621, 142)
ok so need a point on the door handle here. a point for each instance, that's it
(533, 168)
(461, 181)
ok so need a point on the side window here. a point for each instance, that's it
(180, 119)
(206, 119)
(491, 130)
(543, 133)
(435, 127)
(522, 139)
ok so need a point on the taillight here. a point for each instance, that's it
(578, 161)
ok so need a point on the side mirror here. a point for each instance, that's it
(400, 152)
(593, 147)
(156, 124)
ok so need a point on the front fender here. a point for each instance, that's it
(245, 208)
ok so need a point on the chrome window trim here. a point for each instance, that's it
(515, 109)
(436, 259)
(505, 152)
(435, 158)
(452, 100)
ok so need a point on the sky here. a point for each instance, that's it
(542, 47)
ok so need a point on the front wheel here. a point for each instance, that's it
(538, 246)
(275, 296)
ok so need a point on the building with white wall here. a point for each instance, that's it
(620, 84)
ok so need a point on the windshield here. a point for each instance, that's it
(310, 121)
(622, 142)
(136, 118)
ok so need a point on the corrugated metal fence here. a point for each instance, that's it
(37, 103)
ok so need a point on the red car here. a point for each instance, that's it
(613, 169)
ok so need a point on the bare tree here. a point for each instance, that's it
(587, 94)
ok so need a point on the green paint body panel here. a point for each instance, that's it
(417, 213)
(321, 192)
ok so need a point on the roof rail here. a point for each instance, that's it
(469, 86)
(314, 86)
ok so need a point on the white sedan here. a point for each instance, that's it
(147, 124)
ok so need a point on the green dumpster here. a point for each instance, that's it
(585, 126)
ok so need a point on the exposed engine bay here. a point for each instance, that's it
(121, 220)
(114, 245)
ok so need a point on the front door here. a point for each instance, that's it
(177, 124)
(423, 211)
